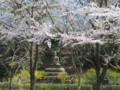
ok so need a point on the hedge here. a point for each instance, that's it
(45, 86)
(111, 87)
(14, 85)
(1, 84)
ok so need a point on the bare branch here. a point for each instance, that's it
(5, 67)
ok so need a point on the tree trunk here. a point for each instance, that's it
(101, 3)
(97, 65)
(11, 79)
(32, 76)
(79, 83)
(99, 84)
(32, 82)
(100, 76)
(33, 66)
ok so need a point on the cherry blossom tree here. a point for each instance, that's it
(94, 26)
(27, 22)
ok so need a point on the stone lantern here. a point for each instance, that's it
(53, 70)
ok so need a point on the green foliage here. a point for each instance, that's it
(1, 84)
(25, 76)
(111, 87)
(55, 44)
(26, 86)
(62, 61)
(62, 76)
(90, 77)
(86, 87)
(45, 86)
(40, 74)
(3, 71)
(47, 57)
(14, 85)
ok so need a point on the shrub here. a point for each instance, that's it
(40, 74)
(86, 87)
(82, 80)
(112, 75)
(45, 86)
(14, 85)
(110, 87)
(26, 86)
(63, 77)
(2, 84)
(25, 76)
(90, 77)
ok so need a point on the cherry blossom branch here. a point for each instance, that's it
(80, 2)
(53, 21)
(6, 24)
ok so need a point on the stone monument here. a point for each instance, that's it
(53, 70)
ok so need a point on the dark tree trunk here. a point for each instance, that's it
(106, 3)
(32, 83)
(32, 77)
(33, 66)
(99, 84)
(97, 65)
(100, 76)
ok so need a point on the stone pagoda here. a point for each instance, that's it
(53, 70)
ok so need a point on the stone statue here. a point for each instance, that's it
(56, 59)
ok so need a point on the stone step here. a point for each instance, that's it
(52, 73)
(54, 69)
(50, 77)
(54, 66)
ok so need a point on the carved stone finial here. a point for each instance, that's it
(55, 53)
